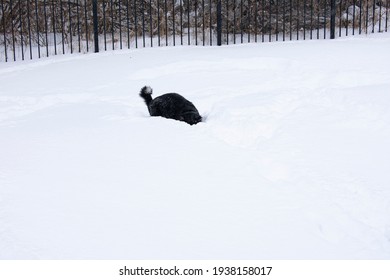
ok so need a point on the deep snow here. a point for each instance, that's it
(292, 162)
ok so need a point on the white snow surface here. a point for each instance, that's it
(292, 161)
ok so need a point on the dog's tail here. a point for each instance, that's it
(146, 94)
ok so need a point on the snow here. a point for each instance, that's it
(292, 161)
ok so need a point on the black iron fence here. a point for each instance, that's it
(42, 28)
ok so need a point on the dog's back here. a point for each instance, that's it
(171, 106)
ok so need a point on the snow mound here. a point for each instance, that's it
(291, 161)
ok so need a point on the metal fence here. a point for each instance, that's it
(42, 28)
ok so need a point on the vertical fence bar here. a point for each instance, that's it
(37, 28)
(387, 11)
(54, 26)
(120, 24)
(127, 23)
(227, 21)
(263, 19)
(210, 17)
(325, 19)
(270, 21)
(158, 23)
(235, 21)
(256, 17)
(166, 22)
(373, 17)
(219, 23)
(311, 19)
(136, 24)
(62, 28)
(340, 17)
(21, 28)
(318, 19)
(29, 29)
(360, 17)
(46, 33)
(151, 23)
(112, 24)
(12, 30)
(104, 25)
(95, 25)
(78, 24)
(353, 17)
(70, 27)
(204, 23)
(347, 22)
(196, 21)
(143, 23)
(249, 20)
(332, 18)
(277, 20)
(188, 22)
(298, 15)
(174, 22)
(291, 21)
(304, 20)
(380, 17)
(241, 23)
(11, 4)
(4, 32)
(181, 22)
(284, 20)
(366, 17)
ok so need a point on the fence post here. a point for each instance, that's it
(219, 23)
(95, 25)
(332, 19)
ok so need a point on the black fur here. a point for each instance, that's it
(171, 106)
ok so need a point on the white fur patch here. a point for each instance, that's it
(148, 90)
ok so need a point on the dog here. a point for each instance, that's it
(170, 106)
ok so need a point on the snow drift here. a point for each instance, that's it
(292, 161)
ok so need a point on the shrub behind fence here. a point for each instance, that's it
(41, 28)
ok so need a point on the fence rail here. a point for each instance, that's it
(41, 28)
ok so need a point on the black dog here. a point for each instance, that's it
(170, 106)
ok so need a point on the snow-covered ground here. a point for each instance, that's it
(292, 161)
